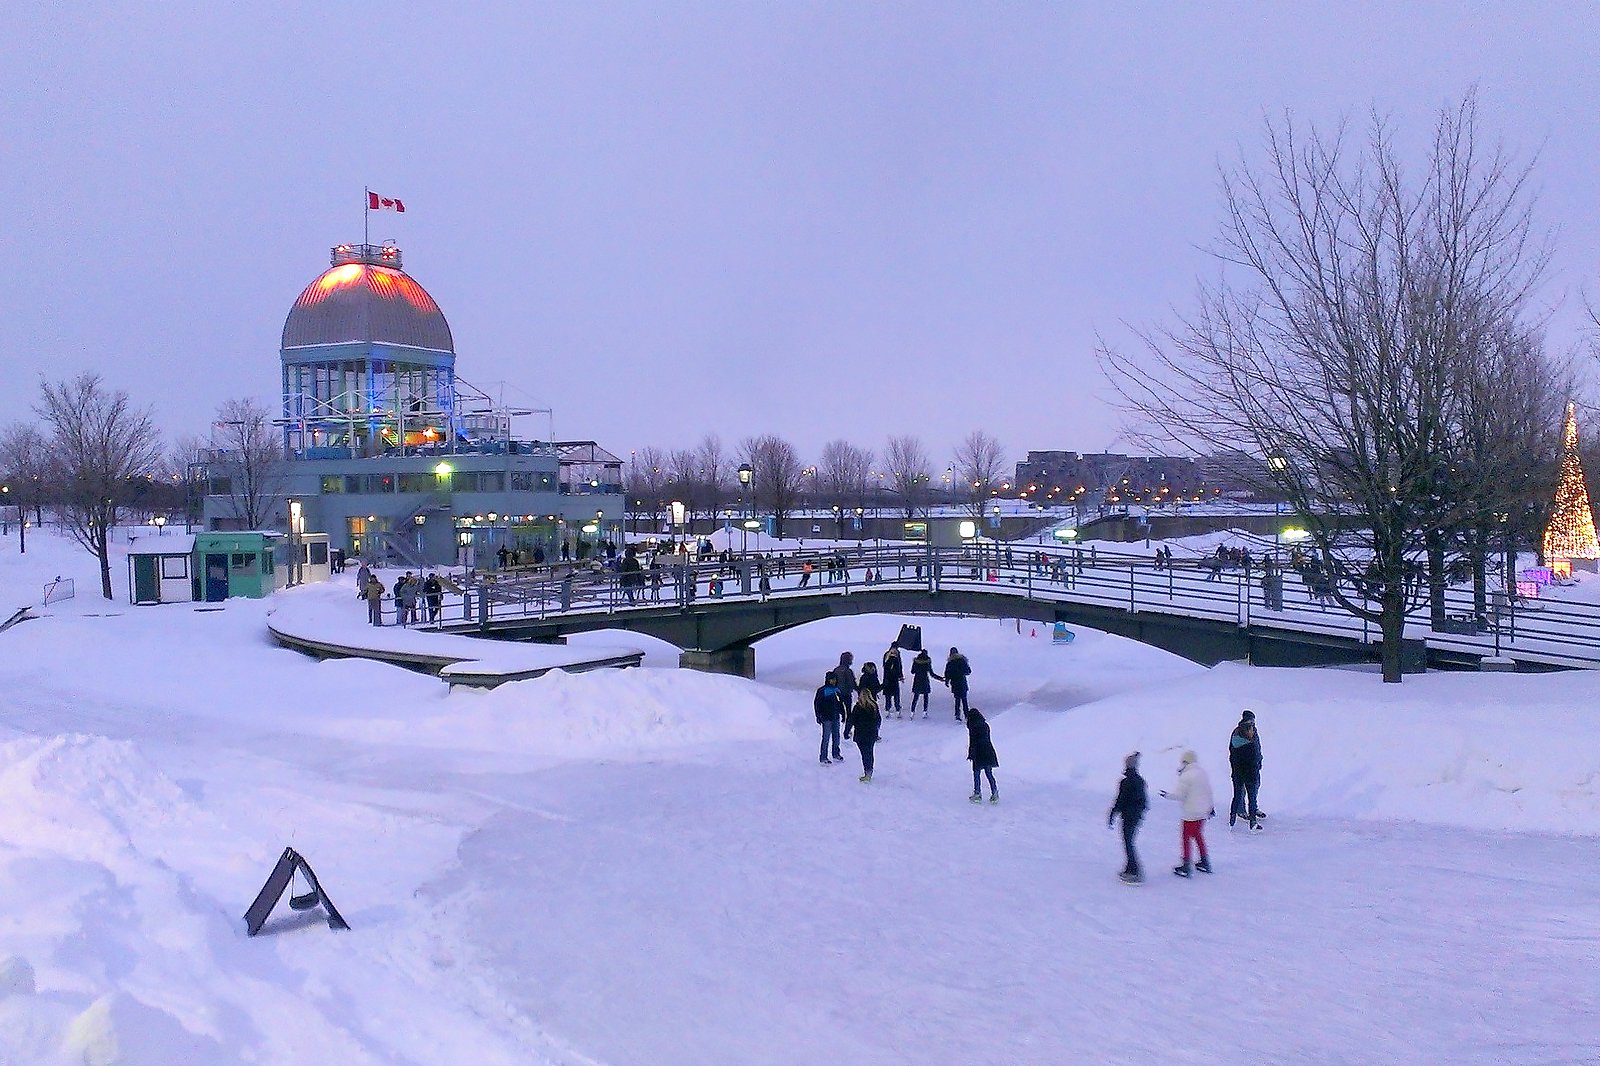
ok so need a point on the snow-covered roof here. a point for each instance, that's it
(163, 544)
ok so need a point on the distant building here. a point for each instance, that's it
(1062, 477)
(392, 455)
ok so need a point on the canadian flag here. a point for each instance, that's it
(381, 203)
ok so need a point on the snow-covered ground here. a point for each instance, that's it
(651, 866)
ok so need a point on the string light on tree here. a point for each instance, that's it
(1570, 534)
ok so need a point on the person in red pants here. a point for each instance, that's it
(1193, 791)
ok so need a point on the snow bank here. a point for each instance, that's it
(1480, 751)
(610, 714)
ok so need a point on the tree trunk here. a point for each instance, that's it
(1393, 627)
(1480, 572)
(1436, 578)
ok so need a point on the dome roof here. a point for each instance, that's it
(363, 303)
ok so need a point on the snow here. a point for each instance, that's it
(329, 613)
(651, 866)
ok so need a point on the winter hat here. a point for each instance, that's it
(1188, 757)
(1131, 761)
(1248, 716)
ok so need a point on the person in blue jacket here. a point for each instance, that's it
(1131, 803)
(830, 710)
(1244, 765)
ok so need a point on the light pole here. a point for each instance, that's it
(838, 522)
(160, 522)
(746, 474)
(676, 507)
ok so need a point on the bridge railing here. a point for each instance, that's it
(1562, 634)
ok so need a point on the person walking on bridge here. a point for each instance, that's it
(921, 671)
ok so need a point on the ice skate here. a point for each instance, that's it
(1181, 871)
(976, 798)
(994, 797)
(866, 779)
(1130, 878)
(1204, 865)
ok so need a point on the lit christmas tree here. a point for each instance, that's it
(1570, 534)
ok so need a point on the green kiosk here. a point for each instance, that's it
(237, 564)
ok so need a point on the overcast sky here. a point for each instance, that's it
(667, 219)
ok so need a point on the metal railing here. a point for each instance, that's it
(1536, 631)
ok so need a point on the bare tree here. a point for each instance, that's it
(842, 472)
(776, 477)
(247, 454)
(648, 480)
(683, 477)
(98, 444)
(979, 465)
(24, 466)
(185, 466)
(905, 460)
(1333, 342)
(714, 468)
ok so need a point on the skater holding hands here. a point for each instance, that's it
(1193, 792)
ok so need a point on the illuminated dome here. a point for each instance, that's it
(365, 298)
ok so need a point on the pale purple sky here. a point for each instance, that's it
(662, 219)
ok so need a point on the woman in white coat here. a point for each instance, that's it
(1193, 791)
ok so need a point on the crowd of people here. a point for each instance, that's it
(851, 706)
(416, 598)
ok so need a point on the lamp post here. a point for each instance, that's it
(160, 522)
(599, 530)
(676, 507)
(838, 522)
(746, 474)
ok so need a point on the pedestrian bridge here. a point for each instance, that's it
(1205, 614)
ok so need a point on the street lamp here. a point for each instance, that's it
(599, 527)
(838, 522)
(746, 473)
(160, 522)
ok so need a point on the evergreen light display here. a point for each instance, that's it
(1570, 534)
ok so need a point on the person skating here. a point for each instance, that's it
(980, 752)
(894, 672)
(956, 672)
(830, 710)
(1131, 803)
(1193, 791)
(844, 675)
(1244, 766)
(862, 727)
(921, 671)
(868, 682)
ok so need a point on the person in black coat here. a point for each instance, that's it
(1132, 801)
(869, 682)
(863, 727)
(980, 752)
(830, 709)
(1244, 765)
(956, 672)
(921, 671)
(844, 675)
(894, 672)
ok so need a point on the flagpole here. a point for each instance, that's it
(366, 215)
